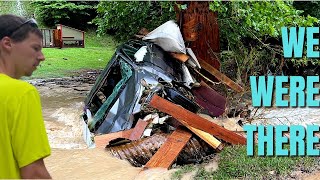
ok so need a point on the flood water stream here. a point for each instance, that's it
(62, 103)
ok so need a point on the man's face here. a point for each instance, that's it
(27, 55)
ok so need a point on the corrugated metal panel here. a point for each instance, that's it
(139, 152)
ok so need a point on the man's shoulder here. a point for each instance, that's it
(14, 86)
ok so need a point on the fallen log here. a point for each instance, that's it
(188, 118)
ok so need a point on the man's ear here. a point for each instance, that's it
(6, 43)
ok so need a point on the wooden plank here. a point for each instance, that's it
(221, 77)
(102, 141)
(138, 129)
(208, 138)
(180, 56)
(188, 118)
(170, 150)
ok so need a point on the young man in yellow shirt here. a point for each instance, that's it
(23, 139)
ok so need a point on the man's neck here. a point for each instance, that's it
(7, 69)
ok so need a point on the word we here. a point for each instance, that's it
(294, 42)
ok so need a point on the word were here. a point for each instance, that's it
(301, 90)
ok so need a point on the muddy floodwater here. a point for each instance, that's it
(62, 102)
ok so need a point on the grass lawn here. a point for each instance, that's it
(66, 61)
(235, 164)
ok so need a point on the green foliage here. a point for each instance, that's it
(28, 9)
(236, 164)
(251, 32)
(124, 19)
(185, 169)
(21, 8)
(6, 7)
(76, 14)
(243, 62)
(238, 19)
(105, 41)
(310, 8)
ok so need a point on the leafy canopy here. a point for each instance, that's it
(76, 14)
(257, 19)
(124, 19)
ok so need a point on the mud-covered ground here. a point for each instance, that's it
(62, 101)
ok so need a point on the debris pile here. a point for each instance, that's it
(152, 106)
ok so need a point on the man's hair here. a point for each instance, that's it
(16, 28)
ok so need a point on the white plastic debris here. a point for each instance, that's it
(139, 55)
(163, 119)
(147, 132)
(89, 115)
(151, 116)
(193, 61)
(168, 36)
(160, 120)
(187, 77)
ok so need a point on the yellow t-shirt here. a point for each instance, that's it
(23, 138)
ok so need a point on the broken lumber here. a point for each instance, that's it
(220, 76)
(102, 141)
(188, 118)
(170, 150)
(208, 138)
(138, 129)
(135, 133)
(180, 56)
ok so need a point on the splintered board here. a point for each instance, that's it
(170, 150)
(138, 130)
(102, 141)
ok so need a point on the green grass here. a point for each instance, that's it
(185, 169)
(235, 164)
(67, 61)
